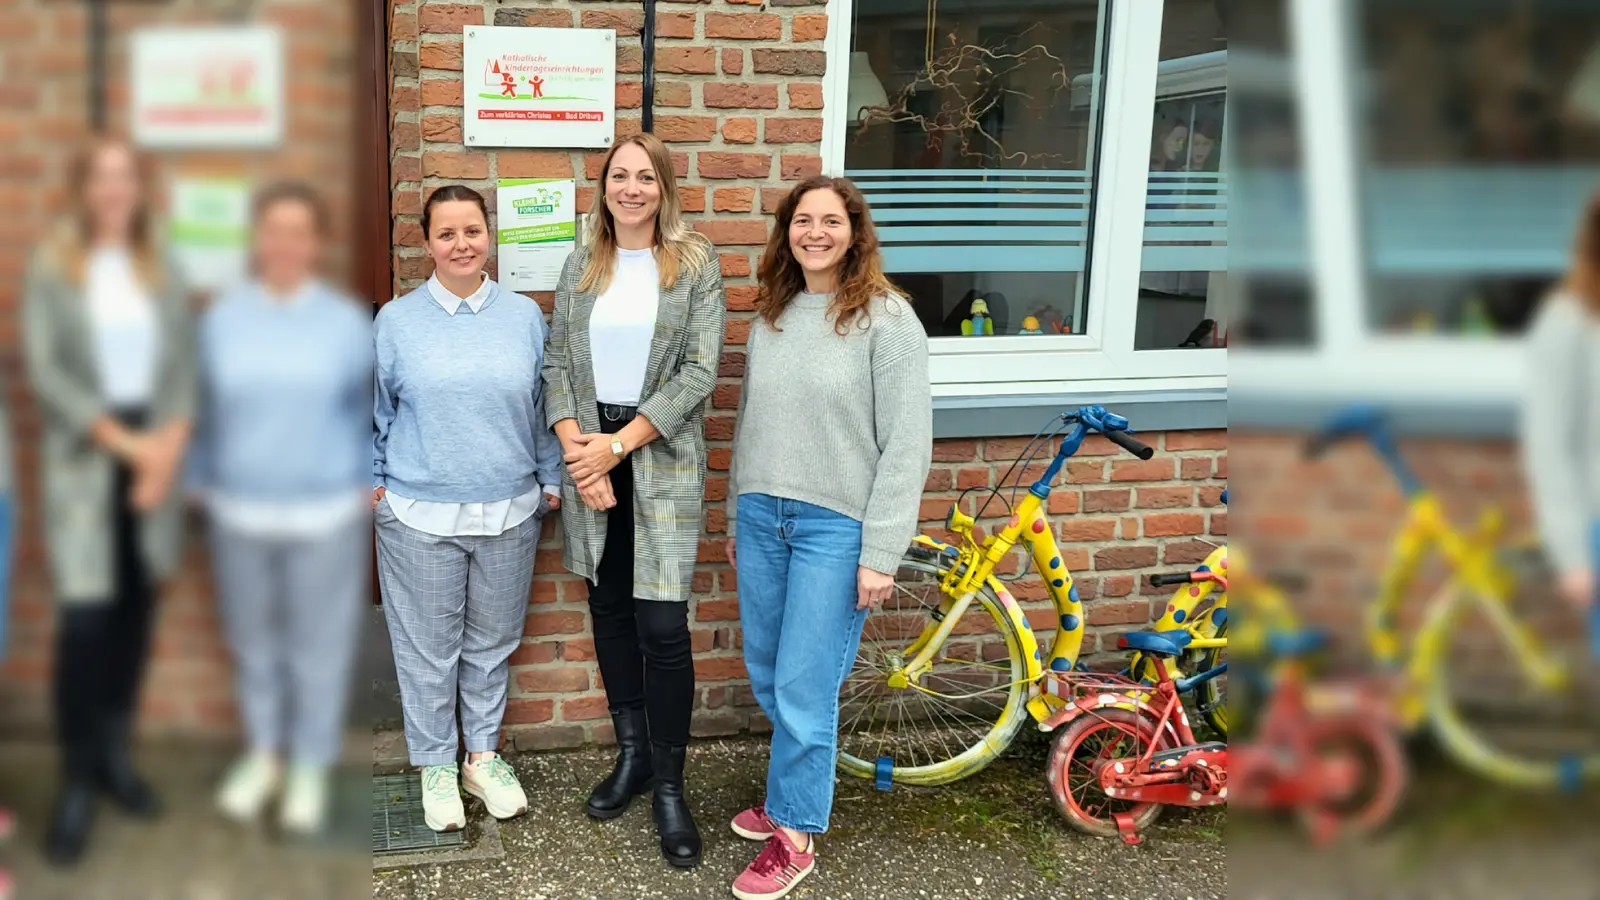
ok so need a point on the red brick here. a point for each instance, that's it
(972, 478)
(793, 131)
(739, 130)
(405, 136)
(1125, 558)
(1219, 523)
(732, 61)
(628, 126)
(456, 165)
(734, 265)
(693, 198)
(805, 95)
(675, 25)
(1106, 501)
(528, 712)
(1185, 552)
(585, 201)
(954, 451)
(1004, 448)
(578, 650)
(1172, 524)
(734, 165)
(535, 653)
(676, 94)
(442, 129)
(403, 26)
(725, 396)
(1064, 502)
(547, 18)
(681, 129)
(1124, 612)
(686, 60)
(933, 509)
(1086, 471)
(719, 428)
(771, 198)
(550, 737)
(408, 233)
(1117, 586)
(441, 92)
(406, 99)
(1194, 467)
(1078, 530)
(1210, 496)
(796, 167)
(1216, 439)
(744, 26)
(716, 523)
(1130, 527)
(630, 94)
(1222, 467)
(719, 668)
(722, 95)
(938, 480)
(716, 489)
(630, 60)
(772, 61)
(581, 709)
(533, 164)
(626, 22)
(713, 551)
(1158, 469)
(738, 199)
(734, 232)
(540, 624)
(439, 55)
(560, 680)
(1163, 497)
(808, 28)
(448, 18)
(716, 611)
(742, 297)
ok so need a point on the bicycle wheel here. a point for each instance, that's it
(955, 718)
(1081, 750)
(1490, 711)
(1211, 696)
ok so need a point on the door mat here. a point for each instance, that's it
(397, 822)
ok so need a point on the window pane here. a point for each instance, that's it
(972, 134)
(1482, 147)
(1183, 272)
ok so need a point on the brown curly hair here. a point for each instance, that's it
(1583, 274)
(861, 276)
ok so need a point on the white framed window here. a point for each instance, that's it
(1448, 151)
(1008, 150)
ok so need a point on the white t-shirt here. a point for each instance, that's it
(127, 339)
(621, 327)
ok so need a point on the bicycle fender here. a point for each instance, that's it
(1089, 705)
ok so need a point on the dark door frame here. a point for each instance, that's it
(373, 275)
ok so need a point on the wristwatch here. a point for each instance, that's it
(617, 448)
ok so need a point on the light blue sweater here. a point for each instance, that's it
(460, 404)
(285, 389)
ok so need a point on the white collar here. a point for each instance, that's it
(451, 303)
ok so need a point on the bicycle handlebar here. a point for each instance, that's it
(1171, 578)
(1131, 444)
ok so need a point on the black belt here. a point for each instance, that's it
(618, 413)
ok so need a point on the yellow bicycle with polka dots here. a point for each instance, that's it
(948, 669)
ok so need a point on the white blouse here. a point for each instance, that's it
(443, 519)
(126, 334)
(621, 327)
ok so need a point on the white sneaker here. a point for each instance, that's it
(250, 783)
(492, 780)
(441, 798)
(305, 799)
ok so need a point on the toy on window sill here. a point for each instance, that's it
(1050, 321)
(979, 322)
(1030, 325)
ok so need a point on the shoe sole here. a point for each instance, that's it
(606, 815)
(747, 834)
(435, 825)
(678, 863)
(775, 895)
(493, 811)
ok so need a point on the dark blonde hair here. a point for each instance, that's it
(1583, 273)
(446, 194)
(679, 248)
(861, 276)
(73, 243)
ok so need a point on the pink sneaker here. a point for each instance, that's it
(753, 824)
(775, 872)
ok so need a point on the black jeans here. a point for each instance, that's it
(101, 647)
(642, 646)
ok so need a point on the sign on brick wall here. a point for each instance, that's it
(207, 87)
(539, 87)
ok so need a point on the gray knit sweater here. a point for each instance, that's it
(844, 422)
(1561, 427)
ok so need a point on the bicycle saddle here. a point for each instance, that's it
(1296, 643)
(1161, 643)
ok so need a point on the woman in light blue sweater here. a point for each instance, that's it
(281, 457)
(464, 467)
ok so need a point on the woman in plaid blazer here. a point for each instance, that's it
(632, 356)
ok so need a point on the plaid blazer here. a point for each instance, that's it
(670, 471)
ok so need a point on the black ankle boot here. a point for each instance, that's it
(680, 839)
(70, 823)
(117, 777)
(632, 773)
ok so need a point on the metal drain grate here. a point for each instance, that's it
(397, 823)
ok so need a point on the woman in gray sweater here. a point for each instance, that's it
(831, 449)
(1560, 418)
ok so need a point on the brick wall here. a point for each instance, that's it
(738, 100)
(43, 112)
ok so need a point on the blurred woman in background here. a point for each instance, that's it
(109, 346)
(281, 454)
(1561, 415)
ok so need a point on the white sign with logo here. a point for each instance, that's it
(207, 87)
(210, 226)
(538, 229)
(539, 87)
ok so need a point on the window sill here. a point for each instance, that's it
(1020, 411)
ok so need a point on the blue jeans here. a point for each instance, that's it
(6, 543)
(797, 607)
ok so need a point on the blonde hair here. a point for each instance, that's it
(70, 247)
(678, 248)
